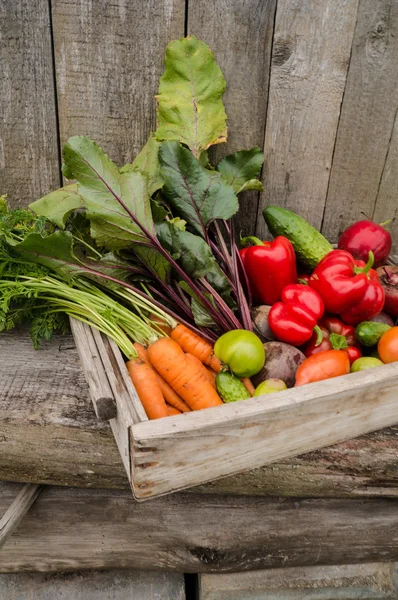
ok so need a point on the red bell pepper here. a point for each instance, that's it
(372, 301)
(295, 318)
(269, 266)
(336, 336)
(339, 282)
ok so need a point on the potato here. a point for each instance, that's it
(281, 362)
(260, 322)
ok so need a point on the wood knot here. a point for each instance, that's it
(281, 52)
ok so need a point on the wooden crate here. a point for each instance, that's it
(179, 452)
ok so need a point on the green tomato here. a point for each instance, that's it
(242, 351)
(269, 386)
(366, 362)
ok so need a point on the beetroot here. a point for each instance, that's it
(388, 276)
(383, 317)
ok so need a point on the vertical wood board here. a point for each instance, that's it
(109, 57)
(367, 120)
(29, 162)
(311, 52)
(387, 199)
(240, 34)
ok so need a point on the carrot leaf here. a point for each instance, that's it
(190, 107)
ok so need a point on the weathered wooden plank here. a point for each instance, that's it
(82, 529)
(367, 117)
(308, 76)
(240, 34)
(49, 434)
(230, 439)
(109, 56)
(116, 584)
(386, 203)
(17, 510)
(342, 582)
(97, 379)
(29, 164)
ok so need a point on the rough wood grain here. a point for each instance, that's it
(109, 56)
(29, 165)
(17, 510)
(311, 51)
(97, 380)
(367, 117)
(387, 198)
(86, 529)
(240, 34)
(235, 437)
(49, 434)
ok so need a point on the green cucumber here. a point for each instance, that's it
(310, 245)
(368, 333)
(230, 388)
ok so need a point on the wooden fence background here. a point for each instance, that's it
(313, 82)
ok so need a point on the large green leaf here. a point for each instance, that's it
(109, 195)
(147, 162)
(190, 107)
(241, 169)
(197, 195)
(58, 205)
(54, 251)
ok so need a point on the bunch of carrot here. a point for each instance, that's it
(175, 374)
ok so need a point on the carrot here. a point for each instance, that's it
(248, 385)
(168, 393)
(182, 374)
(170, 396)
(162, 325)
(172, 410)
(201, 366)
(145, 382)
(193, 344)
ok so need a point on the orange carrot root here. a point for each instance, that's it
(202, 368)
(192, 343)
(172, 410)
(170, 396)
(145, 382)
(182, 374)
(161, 324)
(248, 385)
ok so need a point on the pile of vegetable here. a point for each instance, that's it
(148, 254)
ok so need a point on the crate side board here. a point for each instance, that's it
(191, 449)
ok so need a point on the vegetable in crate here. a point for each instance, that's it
(281, 363)
(364, 363)
(270, 266)
(345, 287)
(310, 245)
(388, 346)
(365, 236)
(295, 318)
(368, 333)
(242, 351)
(388, 276)
(371, 303)
(231, 388)
(261, 326)
(332, 363)
(270, 386)
(336, 336)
